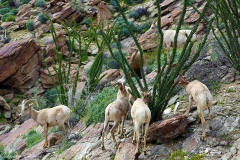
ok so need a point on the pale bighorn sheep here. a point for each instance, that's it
(168, 37)
(141, 115)
(199, 93)
(116, 111)
(49, 117)
(128, 89)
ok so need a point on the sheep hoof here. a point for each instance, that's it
(45, 146)
(210, 127)
(185, 114)
(134, 141)
(144, 152)
(103, 148)
(202, 138)
(136, 152)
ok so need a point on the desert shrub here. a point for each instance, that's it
(96, 109)
(133, 14)
(30, 25)
(40, 3)
(87, 21)
(6, 155)
(10, 18)
(11, 3)
(5, 16)
(14, 11)
(50, 97)
(143, 28)
(5, 3)
(141, 11)
(121, 27)
(111, 63)
(64, 145)
(42, 18)
(129, 1)
(32, 138)
(4, 11)
(25, 1)
(181, 155)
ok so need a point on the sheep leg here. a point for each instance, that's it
(200, 114)
(210, 117)
(112, 132)
(136, 128)
(62, 128)
(67, 126)
(189, 106)
(105, 127)
(143, 129)
(121, 132)
(145, 135)
(45, 128)
(134, 132)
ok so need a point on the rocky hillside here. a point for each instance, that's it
(23, 75)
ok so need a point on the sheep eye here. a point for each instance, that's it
(25, 109)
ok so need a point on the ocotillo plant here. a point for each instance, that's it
(227, 17)
(163, 85)
(74, 38)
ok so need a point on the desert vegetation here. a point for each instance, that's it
(89, 104)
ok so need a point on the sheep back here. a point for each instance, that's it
(55, 115)
(117, 109)
(200, 93)
(140, 111)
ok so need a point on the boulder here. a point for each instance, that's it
(4, 104)
(167, 129)
(68, 13)
(20, 64)
(125, 151)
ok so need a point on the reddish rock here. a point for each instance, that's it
(6, 25)
(165, 21)
(166, 3)
(92, 134)
(176, 11)
(9, 138)
(191, 143)
(68, 13)
(20, 64)
(192, 18)
(4, 104)
(200, 28)
(110, 75)
(23, 9)
(167, 129)
(126, 151)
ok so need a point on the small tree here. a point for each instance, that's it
(65, 83)
(227, 17)
(163, 85)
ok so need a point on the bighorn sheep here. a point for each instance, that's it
(199, 93)
(168, 37)
(141, 114)
(49, 117)
(134, 60)
(116, 111)
(123, 81)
